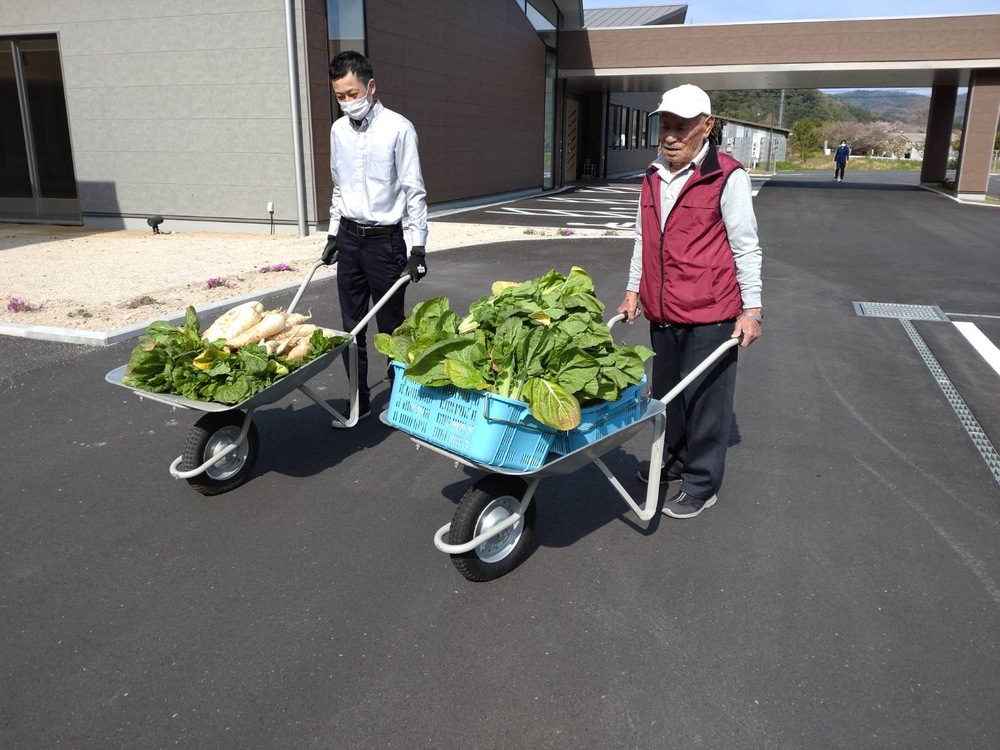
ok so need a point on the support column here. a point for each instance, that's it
(937, 144)
(982, 113)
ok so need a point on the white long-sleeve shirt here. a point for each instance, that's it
(376, 173)
(736, 203)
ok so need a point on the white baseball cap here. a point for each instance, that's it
(686, 101)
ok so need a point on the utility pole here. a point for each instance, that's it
(781, 109)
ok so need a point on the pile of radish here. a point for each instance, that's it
(279, 332)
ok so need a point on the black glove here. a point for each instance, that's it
(416, 264)
(330, 251)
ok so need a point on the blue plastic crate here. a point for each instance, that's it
(600, 420)
(481, 426)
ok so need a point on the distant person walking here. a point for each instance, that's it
(840, 161)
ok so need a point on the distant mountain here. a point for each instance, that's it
(903, 106)
(866, 105)
(764, 107)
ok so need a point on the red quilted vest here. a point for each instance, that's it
(688, 270)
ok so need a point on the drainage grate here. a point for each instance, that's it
(972, 427)
(900, 311)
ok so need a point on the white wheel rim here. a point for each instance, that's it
(229, 466)
(499, 510)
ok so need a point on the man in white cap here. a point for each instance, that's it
(695, 275)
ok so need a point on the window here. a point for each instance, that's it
(346, 25)
(37, 178)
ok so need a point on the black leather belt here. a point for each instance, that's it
(369, 231)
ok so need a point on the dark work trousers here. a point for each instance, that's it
(838, 173)
(366, 269)
(699, 419)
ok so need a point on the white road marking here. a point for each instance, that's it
(572, 214)
(986, 348)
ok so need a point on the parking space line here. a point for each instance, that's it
(980, 343)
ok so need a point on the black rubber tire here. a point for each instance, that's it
(210, 434)
(498, 494)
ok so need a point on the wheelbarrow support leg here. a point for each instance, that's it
(648, 509)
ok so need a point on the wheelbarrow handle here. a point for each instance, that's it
(400, 282)
(622, 316)
(302, 287)
(617, 319)
(706, 363)
(371, 313)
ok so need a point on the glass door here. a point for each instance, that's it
(37, 179)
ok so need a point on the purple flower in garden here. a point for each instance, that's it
(217, 281)
(16, 305)
(565, 232)
(276, 268)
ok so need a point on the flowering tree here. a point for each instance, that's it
(868, 138)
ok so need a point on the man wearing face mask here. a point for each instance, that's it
(377, 183)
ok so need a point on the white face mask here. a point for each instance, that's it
(356, 109)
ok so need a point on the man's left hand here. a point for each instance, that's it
(748, 326)
(416, 264)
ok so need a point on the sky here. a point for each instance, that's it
(732, 11)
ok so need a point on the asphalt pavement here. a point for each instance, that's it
(844, 592)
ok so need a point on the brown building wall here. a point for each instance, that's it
(469, 75)
(980, 132)
(940, 38)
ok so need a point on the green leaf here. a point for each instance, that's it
(235, 392)
(253, 359)
(465, 375)
(574, 369)
(428, 367)
(427, 315)
(191, 321)
(551, 404)
(384, 344)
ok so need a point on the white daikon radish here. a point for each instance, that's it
(291, 332)
(301, 333)
(235, 321)
(294, 319)
(300, 350)
(271, 324)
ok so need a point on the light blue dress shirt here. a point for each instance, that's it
(376, 173)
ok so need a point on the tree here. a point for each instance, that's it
(874, 138)
(806, 139)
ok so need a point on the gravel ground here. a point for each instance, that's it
(101, 280)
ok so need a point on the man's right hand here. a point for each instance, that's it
(330, 251)
(630, 306)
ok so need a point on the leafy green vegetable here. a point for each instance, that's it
(543, 342)
(174, 359)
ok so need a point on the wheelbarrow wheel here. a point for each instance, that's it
(211, 434)
(492, 500)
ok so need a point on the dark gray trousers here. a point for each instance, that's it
(699, 419)
(366, 269)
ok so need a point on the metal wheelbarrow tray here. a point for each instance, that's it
(222, 447)
(491, 529)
